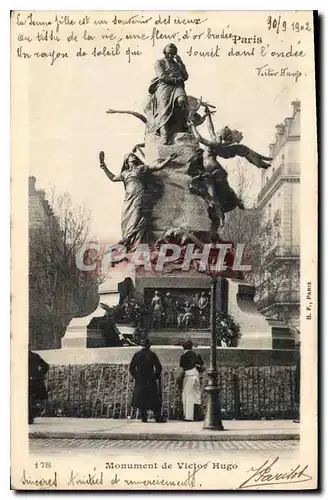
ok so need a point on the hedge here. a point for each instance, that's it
(105, 391)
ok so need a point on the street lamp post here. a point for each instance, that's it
(213, 410)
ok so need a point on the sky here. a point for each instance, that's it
(68, 124)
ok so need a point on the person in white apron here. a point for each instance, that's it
(191, 364)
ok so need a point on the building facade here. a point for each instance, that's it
(41, 218)
(279, 200)
(38, 207)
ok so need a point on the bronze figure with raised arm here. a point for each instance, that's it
(142, 189)
(226, 145)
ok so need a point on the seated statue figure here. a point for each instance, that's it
(168, 102)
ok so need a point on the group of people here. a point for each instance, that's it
(168, 312)
(146, 370)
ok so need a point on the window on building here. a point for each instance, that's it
(277, 217)
(269, 212)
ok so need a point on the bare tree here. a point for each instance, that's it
(58, 290)
(244, 178)
(257, 234)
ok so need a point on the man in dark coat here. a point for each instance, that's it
(146, 369)
(37, 370)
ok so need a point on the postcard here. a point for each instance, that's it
(164, 250)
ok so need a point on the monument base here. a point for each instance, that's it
(256, 330)
(170, 355)
(254, 327)
(177, 337)
(76, 335)
(235, 297)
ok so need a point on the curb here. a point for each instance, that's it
(219, 436)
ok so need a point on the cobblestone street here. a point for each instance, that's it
(122, 447)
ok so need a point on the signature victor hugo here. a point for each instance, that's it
(268, 474)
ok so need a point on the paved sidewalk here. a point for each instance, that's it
(91, 428)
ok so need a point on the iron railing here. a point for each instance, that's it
(288, 251)
(283, 252)
(284, 170)
(105, 391)
(279, 298)
(269, 183)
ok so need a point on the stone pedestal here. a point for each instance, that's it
(255, 329)
(235, 297)
(182, 286)
(282, 336)
(177, 337)
(170, 355)
(76, 334)
(177, 207)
